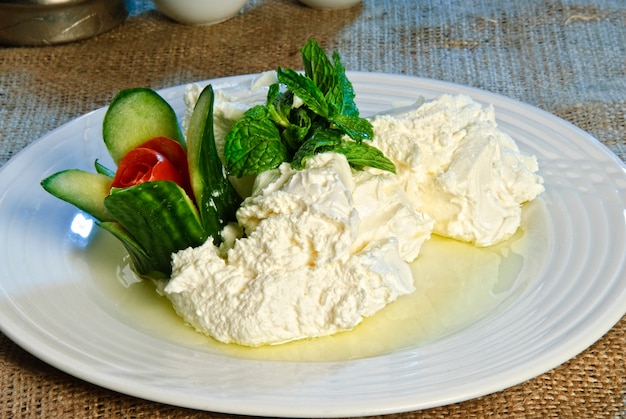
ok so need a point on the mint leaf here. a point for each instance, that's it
(279, 105)
(364, 155)
(299, 127)
(318, 67)
(321, 140)
(344, 92)
(355, 127)
(254, 144)
(330, 77)
(279, 132)
(305, 89)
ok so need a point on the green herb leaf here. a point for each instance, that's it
(321, 140)
(279, 105)
(354, 127)
(296, 133)
(278, 132)
(346, 104)
(306, 89)
(364, 155)
(254, 144)
(318, 67)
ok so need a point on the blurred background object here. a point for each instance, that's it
(200, 12)
(330, 4)
(48, 22)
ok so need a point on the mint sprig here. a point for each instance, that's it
(254, 144)
(268, 135)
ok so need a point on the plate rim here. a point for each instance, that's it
(356, 77)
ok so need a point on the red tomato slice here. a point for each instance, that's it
(175, 153)
(144, 165)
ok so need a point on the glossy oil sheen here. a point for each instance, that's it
(456, 285)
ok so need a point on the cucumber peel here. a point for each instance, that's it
(103, 170)
(161, 219)
(142, 262)
(215, 196)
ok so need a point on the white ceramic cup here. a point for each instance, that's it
(199, 12)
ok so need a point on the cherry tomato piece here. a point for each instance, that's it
(175, 153)
(144, 165)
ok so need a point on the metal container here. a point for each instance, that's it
(49, 22)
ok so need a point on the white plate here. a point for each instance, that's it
(52, 307)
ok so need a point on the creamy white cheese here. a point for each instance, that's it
(470, 177)
(386, 209)
(317, 250)
(297, 273)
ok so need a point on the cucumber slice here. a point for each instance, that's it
(142, 263)
(161, 219)
(135, 116)
(216, 197)
(82, 189)
(103, 170)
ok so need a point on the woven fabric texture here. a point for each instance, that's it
(567, 57)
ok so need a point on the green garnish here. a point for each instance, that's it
(154, 213)
(157, 217)
(328, 120)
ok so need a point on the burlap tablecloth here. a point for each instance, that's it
(567, 57)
